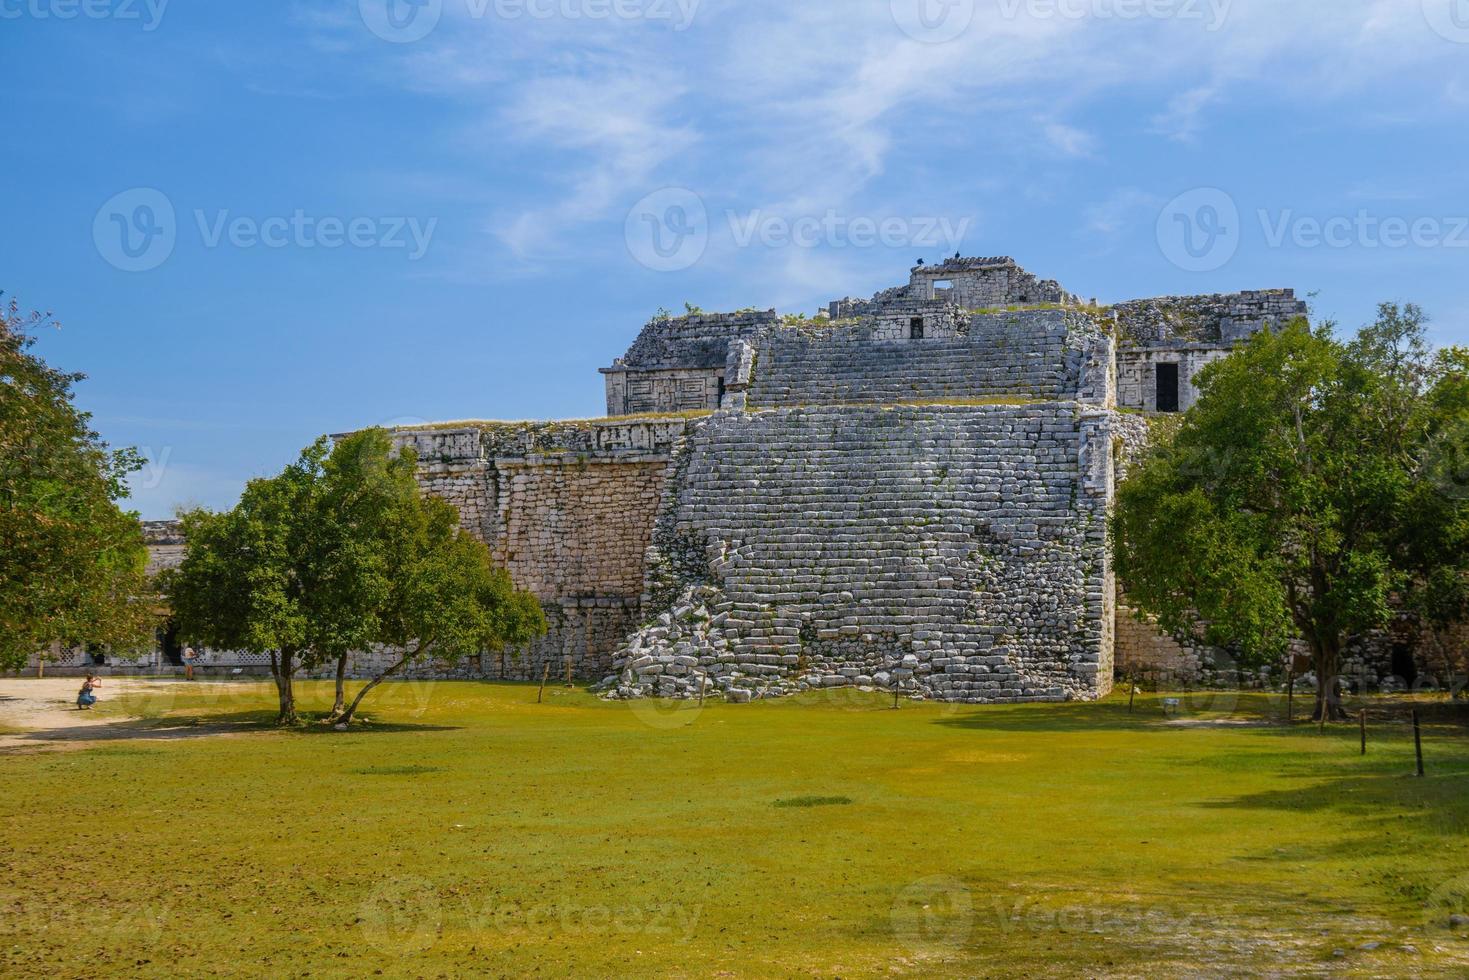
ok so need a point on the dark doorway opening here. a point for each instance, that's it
(1404, 666)
(1167, 387)
(168, 641)
(915, 328)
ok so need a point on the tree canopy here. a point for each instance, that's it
(342, 553)
(74, 563)
(1314, 488)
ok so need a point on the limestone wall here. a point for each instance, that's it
(631, 392)
(1040, 354)
(568, 509)
(831, 543)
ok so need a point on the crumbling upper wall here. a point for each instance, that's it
(699, 340)
(965, 283)
(981, 283)
(1218, 318)
(1031, 354)
(677, 363)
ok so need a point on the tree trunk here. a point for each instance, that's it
(346, 718)
(1326, 658)
(284, 671)
(341, 702)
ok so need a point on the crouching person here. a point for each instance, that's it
(87, 696)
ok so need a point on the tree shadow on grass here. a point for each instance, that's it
(1251, 711)
(1071, 716)
(184, 728)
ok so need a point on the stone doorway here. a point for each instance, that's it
(1167, 387)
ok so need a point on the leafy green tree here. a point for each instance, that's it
(343, 553)
(447, 600)
(1303, 497)
(74, 567)
(249, 578)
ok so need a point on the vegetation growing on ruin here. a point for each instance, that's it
(468, 830)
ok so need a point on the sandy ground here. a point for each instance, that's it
(42, 713)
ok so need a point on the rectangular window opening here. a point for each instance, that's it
(915, 328)
(1167, 380)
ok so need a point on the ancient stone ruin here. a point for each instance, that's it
(908, 492)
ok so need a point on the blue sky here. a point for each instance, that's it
(260, 222)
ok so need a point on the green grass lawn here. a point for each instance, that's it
(467, 829)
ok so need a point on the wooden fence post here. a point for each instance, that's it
(1363, 717)
(544, 674)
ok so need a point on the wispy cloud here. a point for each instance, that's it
(803, 107)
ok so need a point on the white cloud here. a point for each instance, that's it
(1182, 120)
(804, 107)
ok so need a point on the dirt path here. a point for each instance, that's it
(40, 713)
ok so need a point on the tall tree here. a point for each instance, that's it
(1299, 497)
(339, 554)
(74, 563)
(249, 577)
